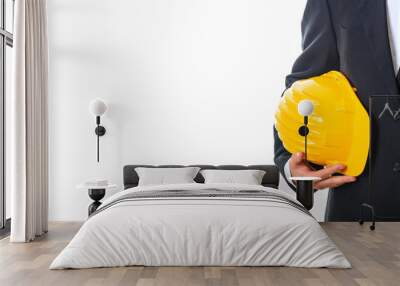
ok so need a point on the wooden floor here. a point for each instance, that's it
(375, 257)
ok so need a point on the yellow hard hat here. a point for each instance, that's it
(338, 126)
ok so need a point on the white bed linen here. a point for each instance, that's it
(223, 232)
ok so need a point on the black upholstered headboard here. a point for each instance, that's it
(270, 179)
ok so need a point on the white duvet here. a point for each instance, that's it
(199, 231)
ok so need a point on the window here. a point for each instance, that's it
(6, 44)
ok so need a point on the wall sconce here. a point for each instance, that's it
(305, 109)
(304, 185)
(97, 107)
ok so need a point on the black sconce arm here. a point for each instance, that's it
(100, 131)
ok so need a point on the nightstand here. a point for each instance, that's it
(96, 193)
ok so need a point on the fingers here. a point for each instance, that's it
(297, 158)
(328, 171)
(333, 182)
(298, 167)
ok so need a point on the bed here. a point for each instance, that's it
(201, 224)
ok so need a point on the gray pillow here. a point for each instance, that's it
(248, 177)
(166, 176)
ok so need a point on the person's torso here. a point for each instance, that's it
(363, 33)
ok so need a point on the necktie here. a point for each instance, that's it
(398, 78)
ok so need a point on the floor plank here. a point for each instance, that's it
(375, 257)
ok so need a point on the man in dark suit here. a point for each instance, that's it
(360, 39)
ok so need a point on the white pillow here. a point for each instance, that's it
(166, 176)
(248, 177)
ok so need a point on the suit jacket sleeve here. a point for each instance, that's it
(319, 56)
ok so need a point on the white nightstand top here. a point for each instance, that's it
(95, 187)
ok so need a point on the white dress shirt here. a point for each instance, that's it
(393, 22)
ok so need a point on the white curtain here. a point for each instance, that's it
(28, 123)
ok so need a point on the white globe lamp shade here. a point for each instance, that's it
(97, 107)
(305, 107)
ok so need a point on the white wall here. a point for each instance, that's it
(186, 81)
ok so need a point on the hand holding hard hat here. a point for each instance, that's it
(338, 124)
(299, 168)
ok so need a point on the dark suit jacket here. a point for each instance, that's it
(351, 36)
